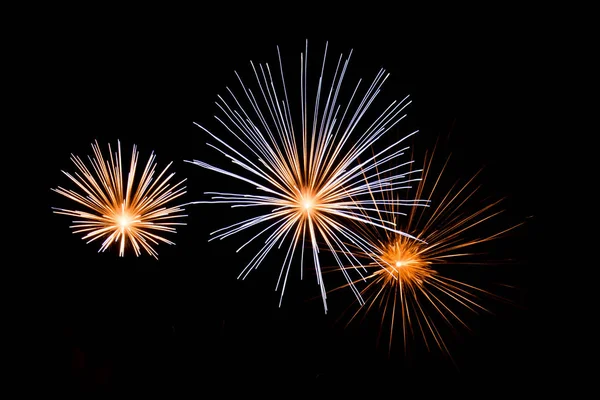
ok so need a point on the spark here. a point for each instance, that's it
(306, 171)
(406, 285)
(122, 211)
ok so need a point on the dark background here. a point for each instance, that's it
(185, 323)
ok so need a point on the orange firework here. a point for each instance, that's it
(123, 211)
(406, 285)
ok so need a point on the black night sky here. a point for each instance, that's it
(184, 323)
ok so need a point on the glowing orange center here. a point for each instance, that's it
(306, 202)
(404, 263)
(124, 220)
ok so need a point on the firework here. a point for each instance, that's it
(406, 284)
(133, 211)
(306, 171)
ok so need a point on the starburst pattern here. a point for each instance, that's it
(307, 171)
(124, 211)
(406, 284)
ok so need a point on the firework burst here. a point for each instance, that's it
(306, 171)
(123, 211)
(406, 284)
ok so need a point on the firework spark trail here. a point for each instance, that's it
(312, 179)
(406, 285)
(123, 212)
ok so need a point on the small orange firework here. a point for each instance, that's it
(123, 211)
(406, 285)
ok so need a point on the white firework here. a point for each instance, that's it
(307, 176)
